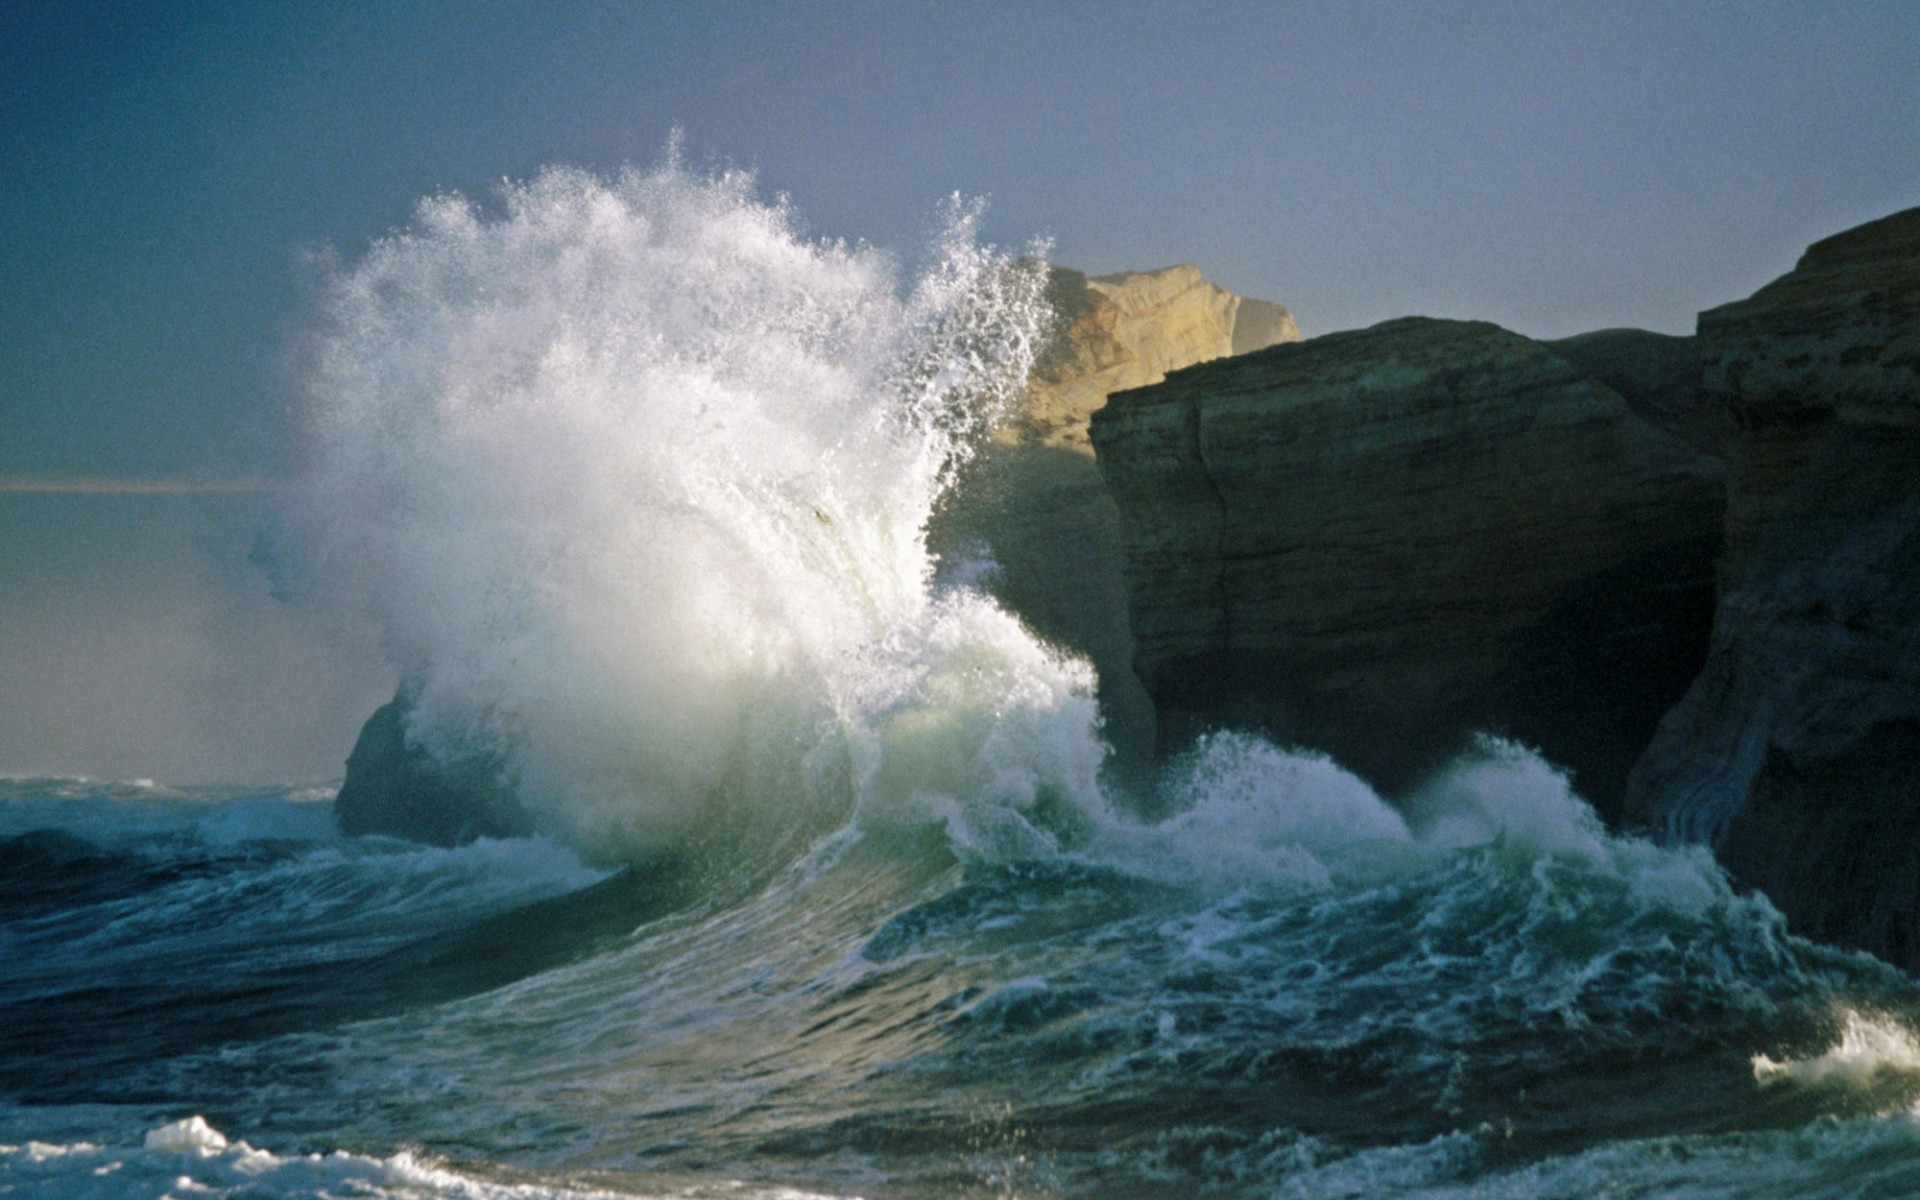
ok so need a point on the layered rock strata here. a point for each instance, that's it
(1796, 753)
(1376, 542)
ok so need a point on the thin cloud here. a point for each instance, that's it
(110, 486)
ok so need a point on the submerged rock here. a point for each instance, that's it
(1377, 542)
(1796, 753)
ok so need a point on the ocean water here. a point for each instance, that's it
(833, 894)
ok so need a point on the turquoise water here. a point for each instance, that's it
(1526, 1008)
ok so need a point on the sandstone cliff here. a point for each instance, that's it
(1128, 330)
(1376, 542)
(1797, 751)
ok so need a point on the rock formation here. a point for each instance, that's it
(396, 787)
(1041, 516)
(1796, 753)
(1127, 331)
(1377, 542)
(1657, 374)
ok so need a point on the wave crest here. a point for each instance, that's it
(634, 479)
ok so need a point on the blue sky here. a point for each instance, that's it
(1554, 167)
(172, 170)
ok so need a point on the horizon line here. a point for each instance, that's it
(106, 485)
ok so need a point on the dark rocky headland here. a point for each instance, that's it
(1796, 752)
(1686, 569)
(1376, 543)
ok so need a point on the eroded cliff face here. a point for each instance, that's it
(1796, 754)
(1376, 542)
(1127, 331)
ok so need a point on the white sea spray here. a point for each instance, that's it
(635, 479)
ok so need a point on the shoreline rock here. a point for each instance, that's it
(396, 787)
(1376, 543)
(1796, 754)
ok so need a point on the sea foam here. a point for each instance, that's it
(189, 1157)
(1871, 1048)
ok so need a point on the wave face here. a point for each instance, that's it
(828, 897)
(1284, 990)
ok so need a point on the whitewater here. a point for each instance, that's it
(832, 890)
